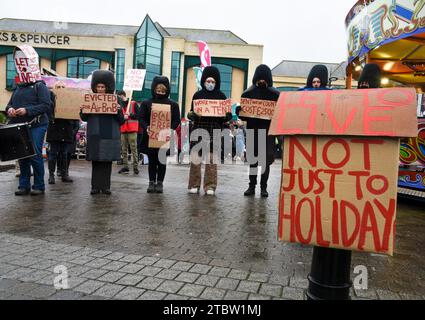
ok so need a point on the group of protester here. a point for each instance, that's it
(109, 135)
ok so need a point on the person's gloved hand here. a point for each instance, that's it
(238, 110)
(193, 116)
(229, 116)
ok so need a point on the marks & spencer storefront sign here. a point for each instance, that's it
(33, 38)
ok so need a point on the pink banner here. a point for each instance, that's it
(204, 54)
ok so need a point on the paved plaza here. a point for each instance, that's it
(176, 246)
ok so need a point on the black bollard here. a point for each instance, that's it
(329, 278)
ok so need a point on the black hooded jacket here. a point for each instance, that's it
(209, 123)
(372, 75)
(262, 72)
(103, 130)
(318, 71)
(146, 107)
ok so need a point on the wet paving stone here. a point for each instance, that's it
(191, 247)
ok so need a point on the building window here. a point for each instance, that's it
(226, 78)
(10, 71)
(175, 75)
(82, 67)
(148, 55)
(120, 69)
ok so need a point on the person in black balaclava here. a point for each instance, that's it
(103, 135)
(370, 77)
(160, 94)
(210, 83)
(261, 89)
(317, 78)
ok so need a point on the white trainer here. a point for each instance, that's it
(194, 191)
(210, 192)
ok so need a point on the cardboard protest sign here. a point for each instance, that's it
(160, 126)
(339, 192)
(212, 108)
(53, 82)
(373, 112)
(340, 166)
(68, 102)
(27, 64)
(134, 80)
(258, 109)
(100, 103)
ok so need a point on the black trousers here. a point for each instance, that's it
(101, 175)
(156, 168)
(253, 176)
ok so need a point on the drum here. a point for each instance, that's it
(15, 142)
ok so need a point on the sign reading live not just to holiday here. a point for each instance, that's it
(34, 38)
(340, 166)
(212, 108)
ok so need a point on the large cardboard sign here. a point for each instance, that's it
(373, 112)
(160, 126)
(27, 64)
(134, 80)
(99, 103)
(68, 102)
(257, 109)
(338, 192)
(340, 166)
(54, 82)
(212, 108)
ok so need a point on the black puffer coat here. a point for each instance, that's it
(103, 131)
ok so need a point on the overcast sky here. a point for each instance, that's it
(309, 30)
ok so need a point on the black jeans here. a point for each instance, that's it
(156, 168)
(253, 176)
(101, 175)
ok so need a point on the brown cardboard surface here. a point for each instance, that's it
(339, 192)
(160, 126)
(212, 108)
(99, 103)
(68, 102)
(258, 109)
(373, 112)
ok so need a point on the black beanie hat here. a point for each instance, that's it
(372, 75)
(160, 80)
(318, 71)
(263, 72)
(103, 76)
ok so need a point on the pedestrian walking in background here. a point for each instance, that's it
(129, 131)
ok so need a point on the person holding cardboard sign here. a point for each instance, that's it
(261, 90)
(209, 95)
(158, 116)
(30, 103)
(103, 135)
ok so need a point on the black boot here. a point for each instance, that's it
(264, 193)
(159, 188)
(52, 168)
(250, 191)
(151, 188)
